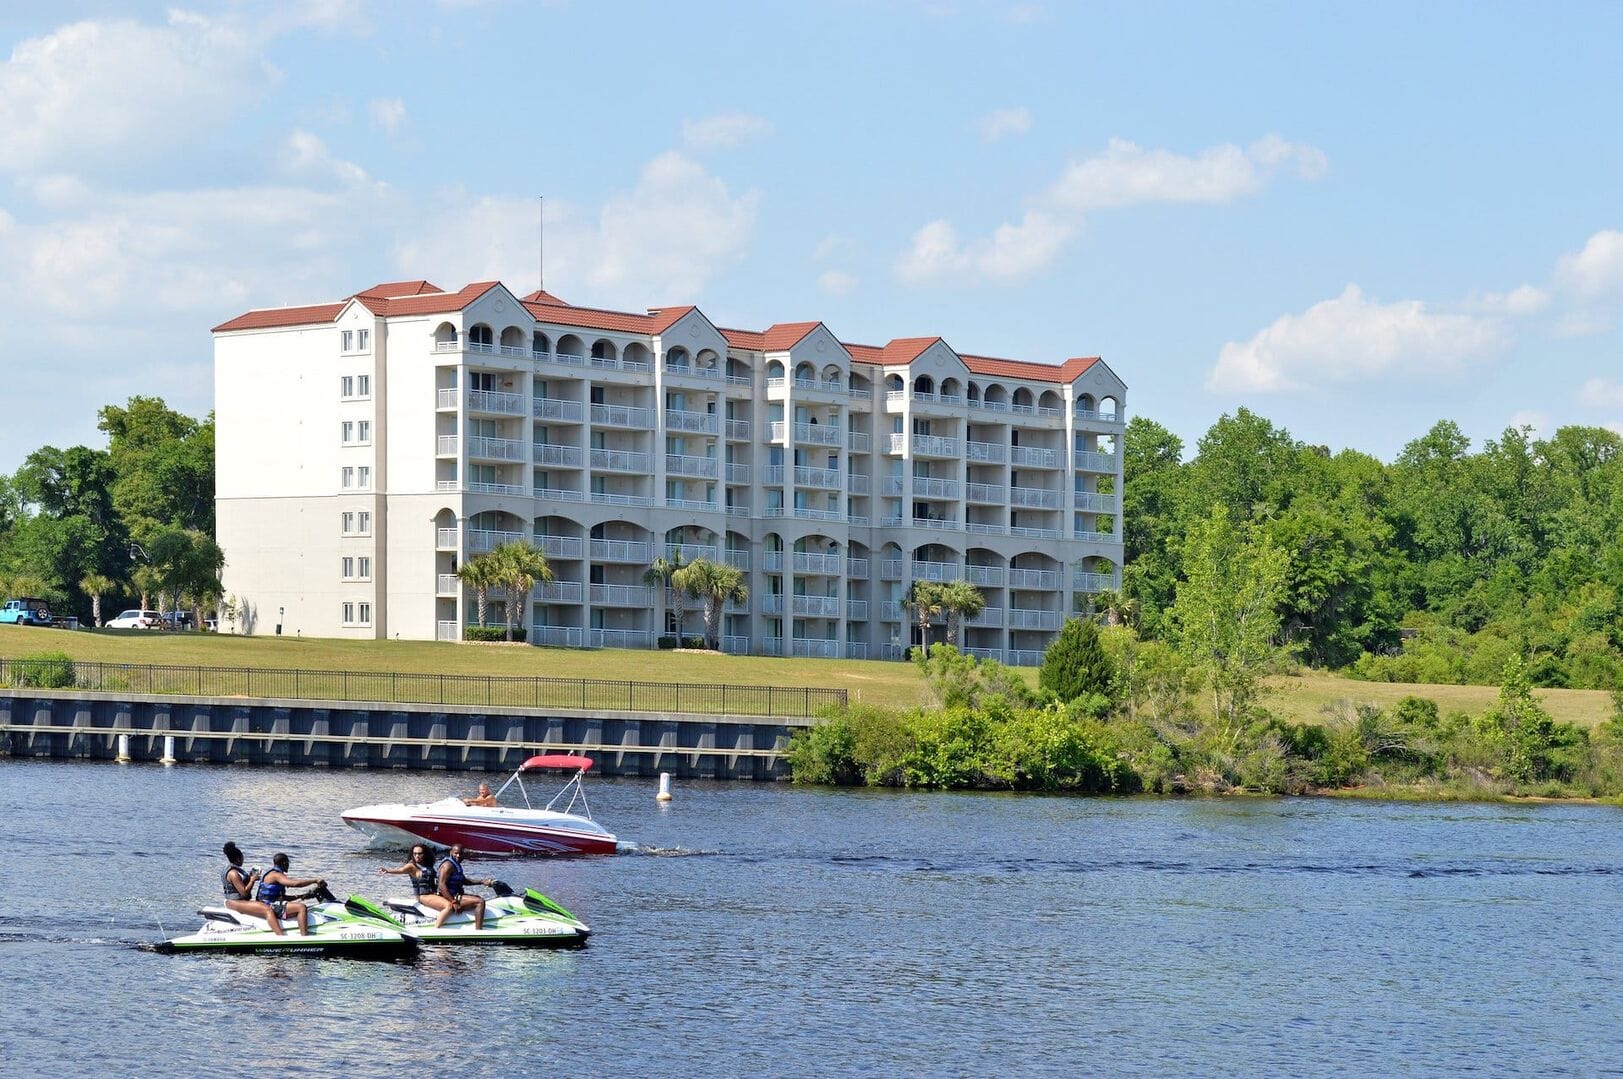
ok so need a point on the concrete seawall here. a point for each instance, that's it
(333, 734)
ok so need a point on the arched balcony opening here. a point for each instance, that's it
(481, 334)
(1109, 407)
(512, 337)
(570, 345)
(973, 393)
(707, 360)
(540, 344)
(995, 395)
(1050, 399)
(805, 374)
(895, 383)
(924, 384)
(951, 388)
(638, 355)
(774, 371)
(604, 352)
(1023, 399)
(678, 359)
(444, 335)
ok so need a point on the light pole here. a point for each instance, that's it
(279, 612)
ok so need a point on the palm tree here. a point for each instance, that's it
(716, 584)
(96, 586)
(146, 580)
(660, 573)
(926, 600)
(961, 600)
(481, 574)
(1113, 607)
(519, 567)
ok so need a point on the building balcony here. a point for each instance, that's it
(622, 595)
(857, 483)
(989, 494)
(988, 617)
(1044, 580)
(1096, 537)
(814, 648)
(744, 381)
(620, 638)
(939, 524)
(893, 610)
(772, 603)
(697, 504)
(827, 565)
(704, 423)
(1094, 461)
(739, 430)
(1034, 457)
(445, 446)
(703, 467)
(857, 609)
(858, 520)
(637, 552)
(985, 528)
(475, 487)
(859, 442)
(985, 576)
(985, 453)
(828, 479)
(738, 473)
(934, 487)
(550, 453)
(1021, 618)
(1109, 419)
(557, 592)
(856, 650)
(447, 584)
(1023, 657)
(615, 498)
(936, 571)
(464, 345)
(481, 448)
(557, 409)
(816, 606)
(1093, 502)
(1034, 497)
(926, 445)
(445, 539)
(640, 419)
(495, 403)
(622, 461)
(563, 359)
(708, 374)
(559, 547)
(856, 569)
(1045, 411)
(891, 569)
(447, 631)
(735, 645)
(560, 494)
(558, 636)
(816, 434)
(738, 558)
(481, 540)
(1084, 581)
(1034, 533)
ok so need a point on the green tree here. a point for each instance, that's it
(924, 598)
(1226, 614)
(1522, 726)
(481, 573)
(1075, 664)
(661, 574)
(715, 584)
(960, 600)
(164, 464)
(519, 567)
(188, 565)
(96, 586)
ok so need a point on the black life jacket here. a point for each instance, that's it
(422, 879)
(225, 881)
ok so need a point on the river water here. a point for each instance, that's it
(767, 928)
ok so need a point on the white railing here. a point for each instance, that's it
(556, 408)
(560, 636)
(740, 380)
(772, 475)
(806, 513)
(1084, 581)
(856, 569)
(560, 494)
(737, 504)
(572, 359)
(989, 616)
(858, 483)
(858, 520)
(735, 645)
(622, 460)
(621, 638)
(558, 546)
(1033, 455)
(738, 473)
(990, 406)
(860, 442)
(498, 488)
(983, 528)
(1034, 496)
(737, 557)
(549, 453)
(826, 478)
(685, 465)
(989, 576)
(936, 571)
(893, 651)
(623, 416)
(814, 648)
(927, 445)
(933, 487)
(857, 608)
(689, 504)
(447, 584)
(1046, 580)
(772, 603)
(940, 524)
(445, 446)
(817, 434)
(635, 365)
(773, 561)
(817, 606)
(1094, 502)
(484, 539)
(691, 552)
(985, 452)
(495, 449)
(893, 486)
(495, 401)
(541, 355)
(1099, 417)
(1020, 618)
(738, 430)
(607, 550)
(774, 511)
(829, 565)
(446, 397)
(622, 595)
(447, 631)
(771, 646)
(1094, 461)
(986, 492)
(445, 538)
(707, 423)
(614, 498)
(558, 592)
(890, 569)
(856, 650)
(985, 653)
(1023, 657)
(1095, 537)
(893, 611)
(1034, 533)
(686, 371)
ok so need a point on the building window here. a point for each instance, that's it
(363, 566)
(346, 431)
(348, 523)
(346, 386)
(363, 340)
(347, 568)
(347, 477)
(356, 568)
(363, 432)
(357, 614)
(356, 522)
(364, 521)
(349, 340)
(363, 385)
(363, 477)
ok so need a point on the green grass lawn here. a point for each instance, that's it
(871, 681)
(1301, 699)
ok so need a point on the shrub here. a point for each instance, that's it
(1076, 663)
(694, 642)
(45, 670)
(491, 633)
(666, 640)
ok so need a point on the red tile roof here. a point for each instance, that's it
(424, 298)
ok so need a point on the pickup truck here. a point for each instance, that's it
(25, 612)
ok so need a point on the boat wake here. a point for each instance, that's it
(664, 852)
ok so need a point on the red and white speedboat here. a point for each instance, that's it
(505, 828)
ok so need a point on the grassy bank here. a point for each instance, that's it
(1304, 698)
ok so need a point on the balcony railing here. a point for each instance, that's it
(622, 461)
(1034, 456)
(772, 603)
(447, 584)
(495, 449)
(558, 546)
(989, 616)
(985, 452)
(623, 416)
(735, 645)
(925, 445)
(738, 430)
(817, 606)
(806, 513)
(615, 498)
(558, 636)
(622, 595)
(771, 646)
(493, 401)
(737, 557)
(560, 494)
(856, 569)
(815, 648)
(1100, 417)
(986, 576)
(682, 465)
(829, 565)
(940, 524)
(1094, 461)
(1034, 533)
(1045, 580)
(447, 631)
(568, 359)
(556, 408)
(934, 487)
(621, 638)
(497, 488)
(705, 423)
(893, 611)
(1095, 537)
(740, 380)
(857, 483)
(857, 609)
(1020, 618)
(445, 538)
(1034, 496)
(986, 492)
(831, 479)
(890, 569)
(701, 504)
(738, 473)
(1023, 657)
(1093, 502)
(445, 446)
(985, 528)
(816, 434)
(548, 453)
(859, 442)
(856, 650)
(557, 592)
(611, 550)
(484, 539)
(858, 520)
(1084, 581)
(714, 374)
(936, 571)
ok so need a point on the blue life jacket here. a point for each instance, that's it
(422, 879)
(268, 892)
(225, 881)
(456, 881)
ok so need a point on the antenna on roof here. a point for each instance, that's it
(541, 247)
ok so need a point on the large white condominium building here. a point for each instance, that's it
(367, 448)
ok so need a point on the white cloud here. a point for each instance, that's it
(109, 92)
(1537, 419)
(1517, 303)
(661, 242)
(836, 282)
(387, 113)
(1602, 393)
(724, 131)
(1348, 338)
(1125, 174)
(831, 245)
(307, 155)
(1000, 122)
(1597, 269)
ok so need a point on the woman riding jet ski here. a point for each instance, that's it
(434, 917)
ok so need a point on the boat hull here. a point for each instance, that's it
(395, 826)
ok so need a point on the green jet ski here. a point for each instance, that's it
(349, 928)
(527, 918)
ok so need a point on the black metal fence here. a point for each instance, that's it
(394, 687)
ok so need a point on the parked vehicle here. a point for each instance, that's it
(177, 620)
(135, 620)
(27, 611)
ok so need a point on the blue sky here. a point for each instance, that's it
(1354, 220)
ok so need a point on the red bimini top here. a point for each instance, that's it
(556, 760)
